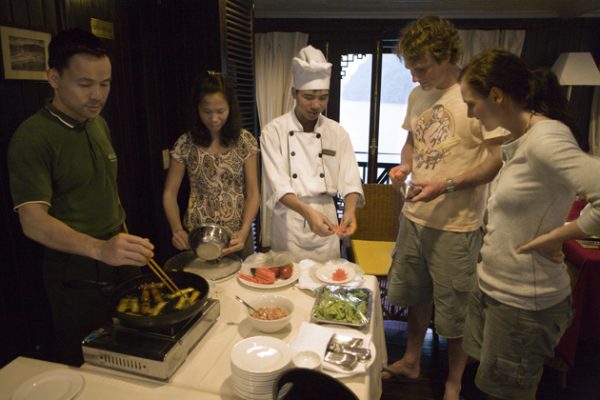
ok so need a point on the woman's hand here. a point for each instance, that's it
(237, 243)
(180, 240)
(546, 245)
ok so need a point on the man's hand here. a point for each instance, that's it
(125, 249)
(398, 175)
(426, 190)
(319, 224)
(347, 226)
(546, 245)
(180, 240)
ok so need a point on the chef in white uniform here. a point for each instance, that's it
(307, 160)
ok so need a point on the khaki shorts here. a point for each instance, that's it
(430, 265)
(511, 344)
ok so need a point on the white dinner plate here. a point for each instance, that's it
(61, 384)
(277, 284)
(325, 273)
(261, 354)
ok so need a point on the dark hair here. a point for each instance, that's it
(209, 83)
(536, 90)
(68, 43)
(430, 35)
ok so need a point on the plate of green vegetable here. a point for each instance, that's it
(343, 306)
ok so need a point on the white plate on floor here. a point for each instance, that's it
(326, 272)
(62, 384)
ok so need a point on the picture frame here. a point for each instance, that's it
(24, 53)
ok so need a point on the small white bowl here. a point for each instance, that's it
(271, 300)
(307, 359)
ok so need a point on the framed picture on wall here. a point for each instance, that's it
(24, 53)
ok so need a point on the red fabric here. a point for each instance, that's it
(586, 299)
(576, 209)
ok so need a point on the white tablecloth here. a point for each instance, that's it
(207, 369)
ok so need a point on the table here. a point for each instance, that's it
(98, 386)
(586, 299)
(374, 256)
(207, 369)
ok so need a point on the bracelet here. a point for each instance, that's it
(450, 185)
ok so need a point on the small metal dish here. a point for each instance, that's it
(208, 241)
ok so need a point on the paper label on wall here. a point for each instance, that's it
(103, 29)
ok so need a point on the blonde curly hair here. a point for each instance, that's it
(430, 35)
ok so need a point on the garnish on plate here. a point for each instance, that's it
(339, 275)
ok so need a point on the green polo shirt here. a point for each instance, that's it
(71, 166)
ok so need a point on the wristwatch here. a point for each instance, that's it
(450, 186)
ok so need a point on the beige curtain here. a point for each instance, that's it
(273, 68)
(475, 41)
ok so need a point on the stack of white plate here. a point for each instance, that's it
(256, 362)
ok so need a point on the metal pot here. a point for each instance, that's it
(181, 279)
(208, 241)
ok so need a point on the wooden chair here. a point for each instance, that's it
(372, 244)
(377, 228)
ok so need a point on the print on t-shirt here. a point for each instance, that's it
(434, 136)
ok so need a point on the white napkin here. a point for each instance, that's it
(316, 338)
(308, 279)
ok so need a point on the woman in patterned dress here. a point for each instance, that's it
(220, 159)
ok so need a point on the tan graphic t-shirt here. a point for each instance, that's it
(446, 144)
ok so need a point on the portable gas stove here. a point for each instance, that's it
(155, 353)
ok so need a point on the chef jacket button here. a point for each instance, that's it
(294, 176)
(322, 175)
(291, 133)
(320, 155)
(293, 153)
(318, 136)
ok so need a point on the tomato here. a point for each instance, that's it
(286, 272)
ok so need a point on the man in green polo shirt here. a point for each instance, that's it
(63, 172)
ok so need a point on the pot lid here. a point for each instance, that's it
(211, 270)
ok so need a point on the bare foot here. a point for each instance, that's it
(452, 391)
(401, 369)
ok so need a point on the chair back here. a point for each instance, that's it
(379, 218)
(308, 384)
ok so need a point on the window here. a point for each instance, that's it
(356, 96)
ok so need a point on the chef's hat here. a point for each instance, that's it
(311, 70)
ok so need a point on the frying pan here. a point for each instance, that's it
(168, 317)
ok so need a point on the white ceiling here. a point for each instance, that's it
(374, 9)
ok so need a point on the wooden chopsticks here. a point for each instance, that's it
(162, 275)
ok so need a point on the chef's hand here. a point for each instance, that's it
(398, 175)
(237, 242)
(426, 190)
(319, 224)
(546, 245)
(180, 240)
(347, 226)
(125, 249)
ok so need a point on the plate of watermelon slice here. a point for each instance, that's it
(269, 277)
(336, 274)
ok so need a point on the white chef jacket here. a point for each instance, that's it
(314, 166)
